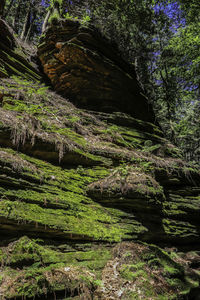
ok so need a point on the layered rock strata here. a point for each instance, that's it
(83, 195)
(14, 60)
(82, 65)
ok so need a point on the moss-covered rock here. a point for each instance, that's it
(13, 56)
(93, 271)
(140, 271)
(73, 183)
(108, 188)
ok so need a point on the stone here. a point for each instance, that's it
(85, 67)
(14, 59)
(84, 194)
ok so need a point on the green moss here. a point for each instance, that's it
(90, 222)
(173, 152)
(47, 196)
(54, 18)
(146, 268)
(43, 269)
(34, 250)
(179, 229)
(129, 167)
(15, 64)
(3, 71)
(38, 263)
(132, 272)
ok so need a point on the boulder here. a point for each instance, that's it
(85, 67)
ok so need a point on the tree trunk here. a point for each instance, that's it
(44, 26)
(33, 18)
(27, 23)
(16, 17)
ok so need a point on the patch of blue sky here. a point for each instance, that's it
(173, 11)
(45, 3)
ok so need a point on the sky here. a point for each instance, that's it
(173, 11)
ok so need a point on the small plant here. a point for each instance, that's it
(148, 143)
(70, 17)
(85, 19)
(53, 19)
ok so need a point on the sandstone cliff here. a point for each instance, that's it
(82, 65)
(85, 194)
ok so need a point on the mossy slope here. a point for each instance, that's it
(74, 182)
(13, 56)
(100, 182)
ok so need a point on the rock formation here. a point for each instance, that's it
(82, 65)
(13, 56)
(85, 194)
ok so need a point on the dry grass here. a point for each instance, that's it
(71, 279)
(31, 111)
(115, 287)
(79, 280)
(51, 116)
(127, 180)
(16, 162)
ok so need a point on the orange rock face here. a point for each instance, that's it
(84, 67)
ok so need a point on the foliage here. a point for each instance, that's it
(181, 53)
(25, 17)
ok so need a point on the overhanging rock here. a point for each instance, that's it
(82, 65)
